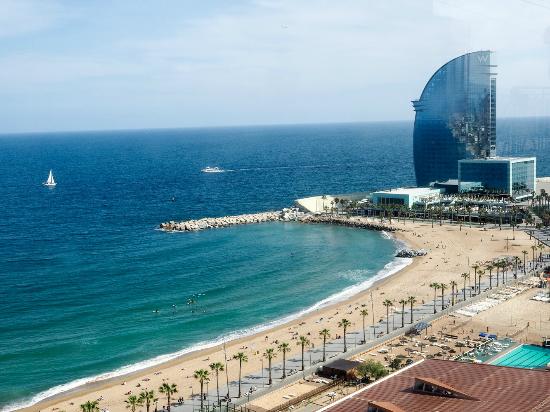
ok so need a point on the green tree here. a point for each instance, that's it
(284, 348)
(371, 369)
(303, 342)
(395, 363)
(344, 324)
(241, 357)
(132, 402)
(147, 398)
(90, 406)
(168, 390)
(325, 333)
(203, 376)
(269, 354)
(217, 367)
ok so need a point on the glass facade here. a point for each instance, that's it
(485, 177)
(455, 118)
(508, 176)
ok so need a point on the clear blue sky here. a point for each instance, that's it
(81, 65)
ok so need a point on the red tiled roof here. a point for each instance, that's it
(497, 388)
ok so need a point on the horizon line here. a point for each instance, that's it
(25, 133)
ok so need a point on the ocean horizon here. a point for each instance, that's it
(84, 270)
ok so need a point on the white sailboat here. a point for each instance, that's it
(50, 182)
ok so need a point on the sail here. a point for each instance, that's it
(50, 180)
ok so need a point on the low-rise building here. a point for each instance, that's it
(441, 385)
(507, 176)
(406, 196)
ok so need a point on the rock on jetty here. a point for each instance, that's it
(347, 221)
(217, 222)
(410, 253)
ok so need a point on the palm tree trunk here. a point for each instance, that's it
(270, 380)
(202, 396)
(411, 312)
(324, 347)
(284, 365)
(345, 344)
(240, 368)
(435, 298)
(387, 319)
(217, 387)
(364, 333)
(403, 315)
(302, 356)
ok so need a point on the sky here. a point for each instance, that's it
(131, 64)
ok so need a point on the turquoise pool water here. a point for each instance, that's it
(525, 356)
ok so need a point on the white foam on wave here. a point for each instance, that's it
(389, 269)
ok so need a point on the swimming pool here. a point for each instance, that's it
(525, 356)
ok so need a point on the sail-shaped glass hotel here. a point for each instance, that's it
(455, 118)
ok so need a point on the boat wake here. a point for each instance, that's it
(389, 269)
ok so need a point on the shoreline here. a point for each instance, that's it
(448, 248)
(93, 383)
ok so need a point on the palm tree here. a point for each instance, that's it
(241, 357)
(364, 313)
(344, 323)
(453, 288)
(475, 267)
(325, 333)
(465, 276)
(168, 390)
(90, 406)
(269, 354)
(303, 342)
(147, 397)
(202, 375)
(284, 348)
(133, 402)
(533, 248)
(479, 275)
(490, 268)
(412, 301)
(435, 286)
(217, 367)
(403, 302)
(442, 286)
(524, 264)
(387, 303)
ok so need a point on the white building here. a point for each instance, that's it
(407, 196)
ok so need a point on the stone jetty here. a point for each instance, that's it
(284, 215)
(218, 222)
(357, 222)
(411, 253)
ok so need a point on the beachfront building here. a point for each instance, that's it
(505, 176)
(442, 385)
(455, 118)
(406, 196)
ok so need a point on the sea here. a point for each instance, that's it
(90, 288)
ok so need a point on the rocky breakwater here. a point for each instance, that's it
(357, 222)
(219, 222)
(411, 253)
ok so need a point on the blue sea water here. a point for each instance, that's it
(82, 268)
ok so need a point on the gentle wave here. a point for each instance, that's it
(389, 269)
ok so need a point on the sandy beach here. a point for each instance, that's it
(450, 252)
